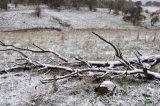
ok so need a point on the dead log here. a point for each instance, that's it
(113, 64)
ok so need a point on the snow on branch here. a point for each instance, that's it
(98, 69)
(34, 51)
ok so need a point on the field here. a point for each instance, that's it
(50, 60)
(23, 17)
(25, 88)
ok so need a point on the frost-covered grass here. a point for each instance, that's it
(16, 20)
(151, 8)
(23, 18)
(85, 44)
(24, 88)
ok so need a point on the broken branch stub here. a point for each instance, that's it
(106, 87)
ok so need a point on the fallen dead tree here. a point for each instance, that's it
(141, 65)
(113, 64)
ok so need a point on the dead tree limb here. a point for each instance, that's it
(155, 75)
(108, 69)
(118, 52)
(16, 51)
(124, 61)
(34, 51)
(144, 59)
(33, 64)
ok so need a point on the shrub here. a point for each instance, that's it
(55, 4)
(4, 4)
(116, 12)
(15, 3)
(76, 3)
(146, 11)
(135, 15)
(38, 11)
(154, 18)
(92, 4)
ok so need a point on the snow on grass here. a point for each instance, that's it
(151, 8)
(82, 19)
(17, 88)
(13, 20)
(86, 19)
(22, 17)
(26, 89)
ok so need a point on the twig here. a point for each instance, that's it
(83, 61)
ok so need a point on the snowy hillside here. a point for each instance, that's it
(151, 8)
(72, 19)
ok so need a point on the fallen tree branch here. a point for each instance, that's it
(32, 64)
(154, 75)
(98, 68)
(112, 64)
(16, 51)
(34, 51)
(124, 61)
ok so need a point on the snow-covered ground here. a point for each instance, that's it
(25, 88)
(84, 19)
(151, 8)
(16, 19)
(13, 20)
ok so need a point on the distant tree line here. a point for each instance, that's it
(92, 4)
(152, 3)
(131, 11)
